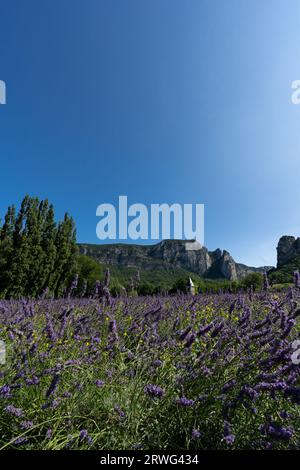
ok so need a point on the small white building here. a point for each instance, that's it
(192, 287)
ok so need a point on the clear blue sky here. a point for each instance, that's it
(162, 100)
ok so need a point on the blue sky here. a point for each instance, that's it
(164, 101)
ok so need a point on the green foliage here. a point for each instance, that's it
(89, 271)
(156, 281)
(181, 285)
(151, 282)
(147, 288)
(36, 252)
(254, 280)
(215, 286)
(284, 274)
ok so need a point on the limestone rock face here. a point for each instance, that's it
(227, 266)
(183, 254)
(288, 247)
(170, 254)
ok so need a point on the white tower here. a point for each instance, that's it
(192, 287)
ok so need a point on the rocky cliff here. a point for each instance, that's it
(185, 254)
(287, 249)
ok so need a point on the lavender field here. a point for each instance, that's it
(165, 372)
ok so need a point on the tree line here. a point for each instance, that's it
(36, 252)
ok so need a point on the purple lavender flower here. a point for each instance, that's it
(196, 434)
(202, 398)
(289, 325)
(279, 432)
(20, 440)
(11, 409)
(206, 371)
(280, 385)
(130, 355)
(228, 386)
(294, 394)
(112, 327)
(50, 328)
(297, 279)
(52, 386)
(184, 333)
(157, 363)
(84, 436)
(190, 340)
(217, 329)
(259, 334)
(229, 438)
(99, 383)
(119, 411)
(34, 380)
(64, 322)
(186, 402)
(205, 329)
(5, 391)
(26, 424)
(250, 392)
(55, 403)
(154, 391)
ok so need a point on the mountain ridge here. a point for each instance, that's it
(171, 254)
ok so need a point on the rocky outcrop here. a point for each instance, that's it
(170, 254)
(182, 254)
(288, 247)
(227, 266)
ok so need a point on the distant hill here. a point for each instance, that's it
(168, 259)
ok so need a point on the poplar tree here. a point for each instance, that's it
(36, 252)
(6, 248)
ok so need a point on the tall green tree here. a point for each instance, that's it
(49, 247)
(6, 248)
(19, 267)
(66, 251)
(36, 252)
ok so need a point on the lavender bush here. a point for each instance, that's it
(169, 372)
